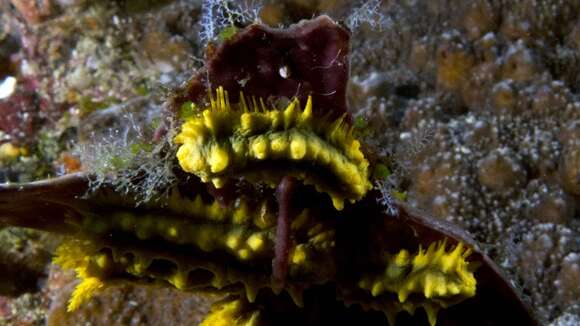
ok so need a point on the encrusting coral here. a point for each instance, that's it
(230, 240)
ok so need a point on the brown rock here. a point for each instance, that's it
(570, 171)
(567, 281)
(453, 66)
(480, 18)
(504, 97)
(553, 208)
(500, 170)
(33, 11)
(128, 304)
(520, 63)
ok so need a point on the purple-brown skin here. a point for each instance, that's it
(47, 205)
(313, 55)
(309, 58)
(282, 247)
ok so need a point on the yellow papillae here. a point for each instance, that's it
(221, 141)
(75, 255)
(435, 277)
(231, 313)
(298, 147)
(315, 255)
(255, 241)
(245, 231)
(298, 256)
(179, 280)
(219, 159)
(95, 268)
(238, 239)
(83, 292)
(245, 238)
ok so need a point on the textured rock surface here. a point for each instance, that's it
(490, 140)
(124, 304)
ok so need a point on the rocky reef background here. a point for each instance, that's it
(475, 106)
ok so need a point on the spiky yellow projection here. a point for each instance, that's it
(435, 278)
(261, 143)
(75, 255)
(231, 313)
(196, 227)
